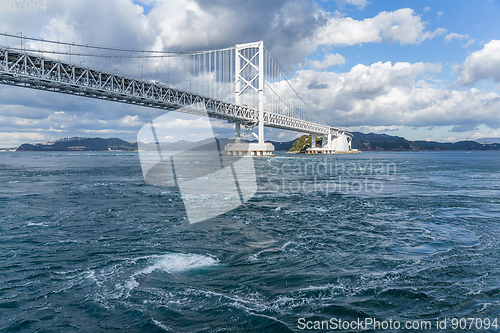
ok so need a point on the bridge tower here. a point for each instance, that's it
(249, 78)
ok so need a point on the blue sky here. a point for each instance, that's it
(476, 19)
(426, 70)
(429, 51)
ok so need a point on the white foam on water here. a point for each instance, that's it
(37, 224)
(90, 274)
(170, 263)
(285, 245)
(131, 284)
(161, 325)
(179, 262)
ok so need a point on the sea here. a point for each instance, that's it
(326, 244)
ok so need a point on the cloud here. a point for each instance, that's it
(402, 26)
(328, 61)
(316, 85)
(374, 129)
(454, 35)
(17, 138)
(481, 65)
(427, 9)
(358, 3)
(469, 43)
(287, 26)
(439, 14)
(291, 29)
(400, 94)
(85, 21)
(464, 128)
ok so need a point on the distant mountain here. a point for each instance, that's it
(384, 142)
(461, 145)
(99, 144)
(361, 141)
(81, 144)
(489, 140)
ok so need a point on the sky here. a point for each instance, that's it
(425, 70)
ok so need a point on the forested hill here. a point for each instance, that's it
(81, 144)
(361, 141)
(384, 142)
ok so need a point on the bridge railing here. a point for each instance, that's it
(28, 70)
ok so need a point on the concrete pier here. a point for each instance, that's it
(250, 149)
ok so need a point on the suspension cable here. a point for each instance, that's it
(104, 47)
(300, 98)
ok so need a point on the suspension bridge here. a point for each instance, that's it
(242, 85)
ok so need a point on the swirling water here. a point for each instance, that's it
(86, 245)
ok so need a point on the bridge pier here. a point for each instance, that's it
(239, 148)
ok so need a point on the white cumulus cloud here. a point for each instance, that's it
(358, 3)
(328, 61)
(402, 26)
(481, 65)
(400, 94)
(454, 35)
